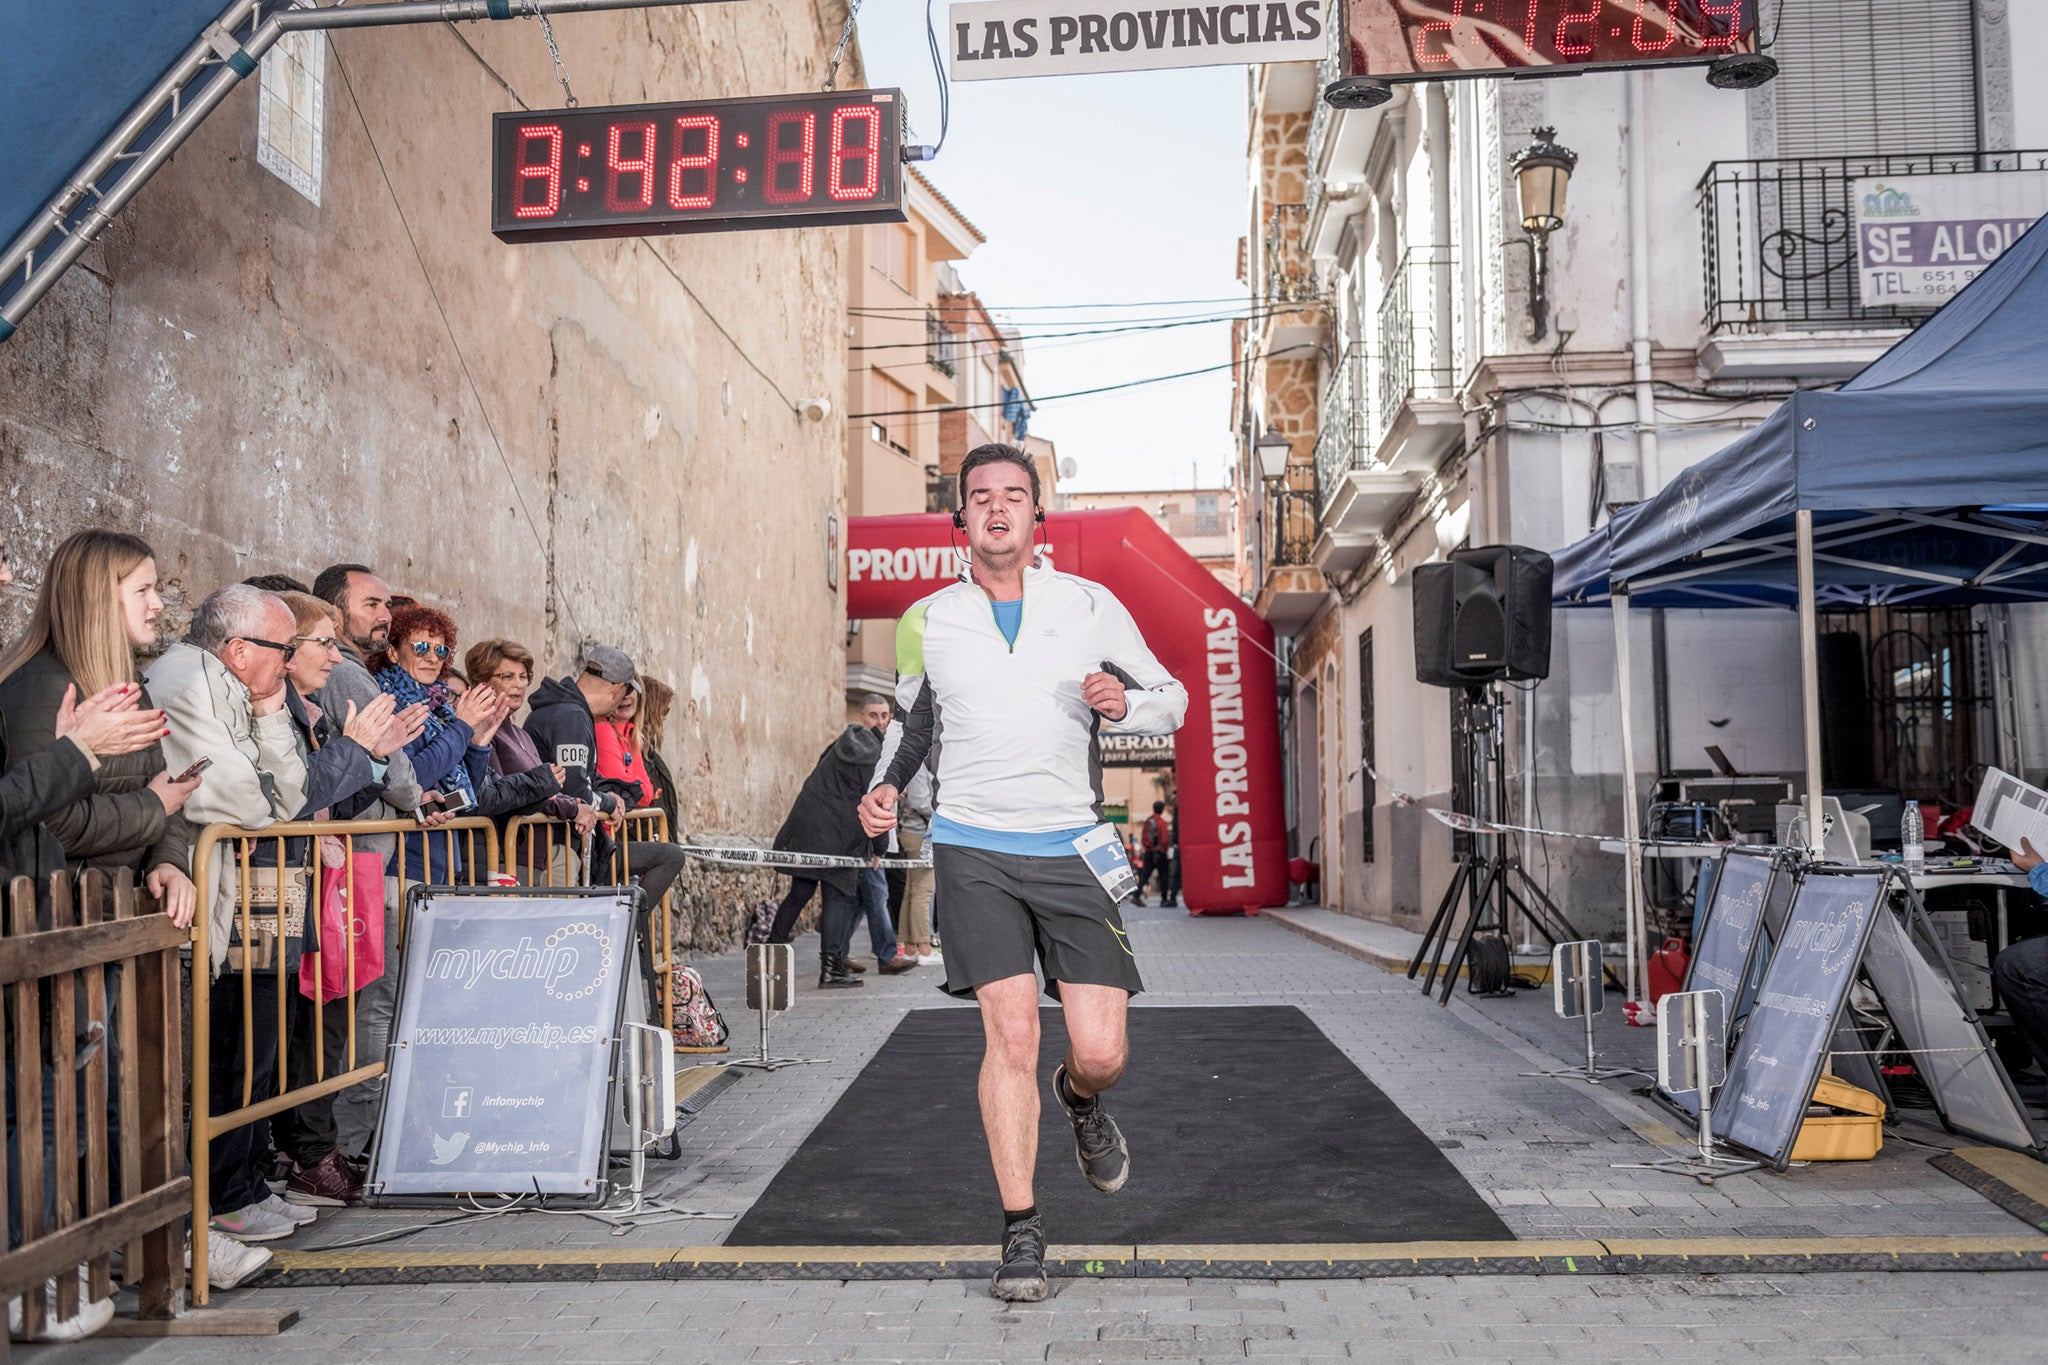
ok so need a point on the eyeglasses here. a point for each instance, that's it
(512, 676)
(286, 650)
(422, 649)
(326, 642)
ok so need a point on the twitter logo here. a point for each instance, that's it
(446, 1149)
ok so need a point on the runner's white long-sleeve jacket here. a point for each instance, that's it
(1016, 746)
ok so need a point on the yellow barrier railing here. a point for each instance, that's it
(529, 835)
(267, 950)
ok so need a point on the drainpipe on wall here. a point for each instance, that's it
(1650, 476)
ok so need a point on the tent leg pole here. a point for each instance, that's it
(1632, 860)
(1809, 678)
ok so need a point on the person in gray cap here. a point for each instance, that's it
(563, 723)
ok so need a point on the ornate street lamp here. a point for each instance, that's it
(1543, 172)
(1273, 450)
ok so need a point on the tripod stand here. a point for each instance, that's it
(1489, 876)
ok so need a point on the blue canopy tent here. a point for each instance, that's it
(1923, 480)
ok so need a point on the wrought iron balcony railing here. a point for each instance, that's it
(1414, 333)
(941, 345)
(1341, 435)
(1291, 521)
(1778, 236)
(1329, 69)
(1290, 275)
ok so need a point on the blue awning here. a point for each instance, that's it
(1926, 473)
(68, 73)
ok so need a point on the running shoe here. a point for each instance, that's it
(92, 1315)
(254, 1223)
(1021, 1276)
(229, 1262)
(298, 1215)
(1099, 1145)
(329, 1183)
(934, 958)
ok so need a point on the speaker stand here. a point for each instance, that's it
(1489, 875)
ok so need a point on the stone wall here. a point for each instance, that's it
(589, 440)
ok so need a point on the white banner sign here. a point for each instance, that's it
(1921, 238)
(1000, 38)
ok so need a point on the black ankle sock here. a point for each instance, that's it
(1073, 1101)
(1012, 1217)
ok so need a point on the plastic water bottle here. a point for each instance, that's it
(1911, 832)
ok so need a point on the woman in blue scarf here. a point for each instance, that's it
(452, 756)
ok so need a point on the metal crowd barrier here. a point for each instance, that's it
(107, 970)
(262, 939)
(527, 834)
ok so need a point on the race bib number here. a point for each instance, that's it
(1103, 851)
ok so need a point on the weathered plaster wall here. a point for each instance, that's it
(257, 384)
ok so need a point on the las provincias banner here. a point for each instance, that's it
(1226, 757)
(1921, 238)
(995, 39)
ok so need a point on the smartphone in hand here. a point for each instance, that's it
(197, 768)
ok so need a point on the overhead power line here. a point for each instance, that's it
(1045, 398)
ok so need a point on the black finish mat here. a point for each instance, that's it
(1245, 1125)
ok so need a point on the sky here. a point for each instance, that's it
(1124, 189)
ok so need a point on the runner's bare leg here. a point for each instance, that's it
(1009, 1084)
(1097, 1046)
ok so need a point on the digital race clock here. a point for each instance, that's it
(1393, 40)
(705, 166)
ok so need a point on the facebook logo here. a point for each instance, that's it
(455, 1102)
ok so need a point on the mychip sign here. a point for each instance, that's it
(501, 1060)
(1921, 238)
(1000, 38)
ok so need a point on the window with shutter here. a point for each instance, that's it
(1870, 77)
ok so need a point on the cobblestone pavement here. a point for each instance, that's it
(1541, 1150)
(1918, 1317)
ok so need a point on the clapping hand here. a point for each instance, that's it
(476, 707)
(109, 722)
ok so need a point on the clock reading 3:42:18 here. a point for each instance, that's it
(702, 166)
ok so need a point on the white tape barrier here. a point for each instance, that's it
(1472, 824)
(777, 858)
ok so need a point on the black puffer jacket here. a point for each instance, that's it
(32, 791)
(826, 816)
(120, 823)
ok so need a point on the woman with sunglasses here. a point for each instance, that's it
(452, 756)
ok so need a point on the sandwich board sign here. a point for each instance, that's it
(1771, 1077)
(510, 1006)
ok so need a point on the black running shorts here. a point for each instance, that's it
(1004, 914)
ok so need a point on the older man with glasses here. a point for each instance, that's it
(223, 690)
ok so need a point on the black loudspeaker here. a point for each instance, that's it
(1483, 616)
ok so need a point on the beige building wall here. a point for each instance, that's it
(1203, 521)
(260, 384)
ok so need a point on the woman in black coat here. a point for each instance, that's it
(98, 605)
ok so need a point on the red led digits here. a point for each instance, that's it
(863, 151)
(1712, 35)
(526, 170)
(705, 162)
(1566, 46)
(619, 167)
(1529, 29)
(799, 155)
(1635, 36)
(1428, 58)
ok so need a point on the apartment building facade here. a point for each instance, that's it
(1415, 390)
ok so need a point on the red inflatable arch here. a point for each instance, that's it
(1233, 838)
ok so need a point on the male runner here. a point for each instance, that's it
(1009, 675)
